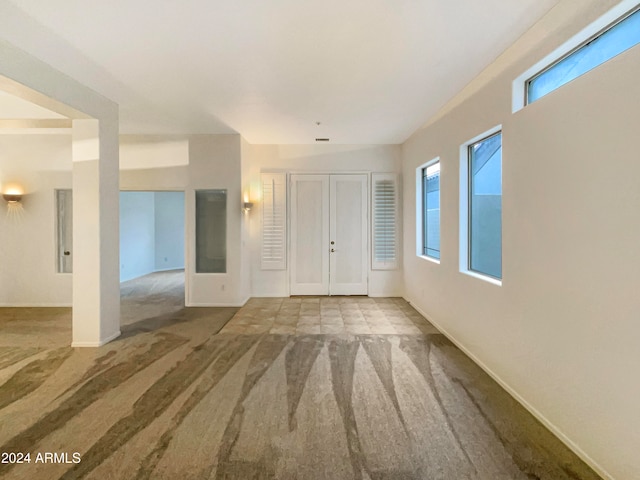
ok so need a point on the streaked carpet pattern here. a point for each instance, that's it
(174, 399)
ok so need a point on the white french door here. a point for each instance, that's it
(329, 235)
(309, 235)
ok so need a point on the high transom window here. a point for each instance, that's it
(614, 39)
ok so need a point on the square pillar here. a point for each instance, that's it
(96, 279)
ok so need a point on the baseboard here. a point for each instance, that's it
(282, 294)
(35, 305)
(530, 408)
(286, 295)
(96, 344)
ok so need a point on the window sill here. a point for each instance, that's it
(486, 278)
(429, 259)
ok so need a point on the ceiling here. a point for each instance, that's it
(370, 71)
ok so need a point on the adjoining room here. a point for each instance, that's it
(152, 253)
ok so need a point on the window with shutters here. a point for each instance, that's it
(274, 234)
(385, 217)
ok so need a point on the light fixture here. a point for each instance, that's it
(247, 206)
(12, 194)
(12, 197)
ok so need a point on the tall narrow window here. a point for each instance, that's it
(614, 39)
(385, 205)
(485, 206)
(431, 210)
(274, 233)
(64, 230)
(211, 231)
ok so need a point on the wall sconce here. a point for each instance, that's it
(12, 197)
(247, 206)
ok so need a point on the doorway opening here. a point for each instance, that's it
(152, 253)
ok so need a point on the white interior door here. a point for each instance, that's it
(309, 235)
(328, 235)
(348, 231)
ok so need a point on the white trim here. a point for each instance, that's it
(521, 400)
(519, 84)
(480, 276)
(463, 216)
(429, 259)
(96, 344)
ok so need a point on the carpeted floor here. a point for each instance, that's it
(174, 399)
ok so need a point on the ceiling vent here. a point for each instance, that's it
(322, 139)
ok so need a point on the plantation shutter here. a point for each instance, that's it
(274, 205)
(385, 209)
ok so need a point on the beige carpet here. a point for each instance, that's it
(172, 399)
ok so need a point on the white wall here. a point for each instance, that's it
(189, 163)
(215, 163)
(246, 254)
(42, 164)
(316, 159)
(96, 306)
(562, 331)
(28, 272)
(137, 234)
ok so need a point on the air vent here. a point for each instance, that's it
(322, 139)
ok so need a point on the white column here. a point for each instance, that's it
(96, 285)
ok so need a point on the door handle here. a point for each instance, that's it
(332, 242)
(67, 253)
(333, 250)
